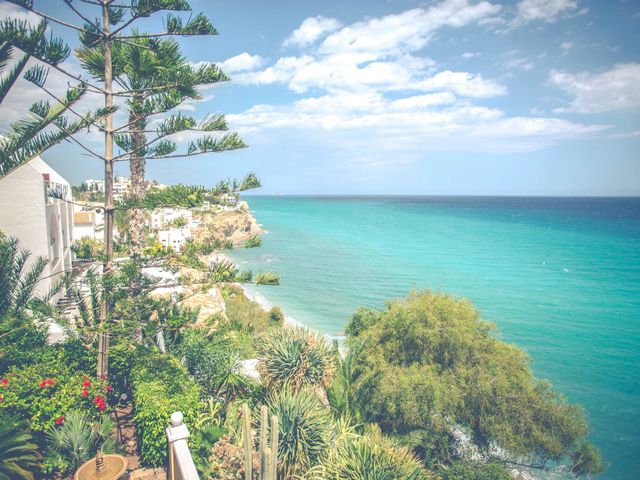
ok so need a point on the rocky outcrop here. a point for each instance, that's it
(228, 225)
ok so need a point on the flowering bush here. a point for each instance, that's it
(45, 401)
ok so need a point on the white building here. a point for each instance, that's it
(160, 217)
(43, 225)
(93, 185)
(174, 237)
(88, 223)
(121, 187)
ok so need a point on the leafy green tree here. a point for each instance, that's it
(19, 302)
(44, 125)
(111, 40)
(430, 364)
(18, 454)
(161, 79)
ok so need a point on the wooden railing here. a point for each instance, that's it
(181, 466)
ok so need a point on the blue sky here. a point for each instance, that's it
(536, 97)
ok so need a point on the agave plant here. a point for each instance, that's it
(76, 439)
(295, 358)
(368, 457)
(18, 455)
(305, 429)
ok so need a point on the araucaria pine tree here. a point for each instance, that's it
(145, 73)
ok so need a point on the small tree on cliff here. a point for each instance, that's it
(107, 29)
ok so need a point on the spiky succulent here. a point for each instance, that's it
(304, 430)
(296, 357)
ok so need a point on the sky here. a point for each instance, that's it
(445, 97)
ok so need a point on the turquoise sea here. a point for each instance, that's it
(559, 276)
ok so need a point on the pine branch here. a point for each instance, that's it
(8, 80)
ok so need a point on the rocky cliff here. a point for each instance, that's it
(235, 225)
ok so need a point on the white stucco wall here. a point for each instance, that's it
(44, 230)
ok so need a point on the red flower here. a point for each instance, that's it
(87, 383)
(109, 389)
(4, 382)
(51, 382)
(98, 400)
(60, 420)
(42, 384)
(85, 393)
(101, 406)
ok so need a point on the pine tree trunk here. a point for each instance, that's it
(138, 187)
(103, 338)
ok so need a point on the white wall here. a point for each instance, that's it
(44, 230)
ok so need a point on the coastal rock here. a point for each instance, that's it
(235, 225)
(210, 304)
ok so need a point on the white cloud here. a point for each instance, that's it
(377, 54)
(372, 87)
(409, 30)
(464, 84)
(566, 45)
(242, 62)
(9, 10)
(545, 10)
(418, 123)
(311, 29)
(610, 90)
(520, 63)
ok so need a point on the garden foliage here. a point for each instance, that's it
(160, 386)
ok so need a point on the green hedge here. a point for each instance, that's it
(160, 386)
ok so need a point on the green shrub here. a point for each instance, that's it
(276, 315)
(86, 248)
(214, 364)
(370, 457)
(268, 278)
(245, 312)
(304, 430)
(475, 471)
(296, 357)
(75, 439)
(429, 363)
(223, 271)
(18, 454)
(253, 241)
(245, 276)
(160, 386)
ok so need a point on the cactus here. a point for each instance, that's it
(267, 451)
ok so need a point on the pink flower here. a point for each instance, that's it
(98, 400)
(87, 383)
(60, 420)
(85, 392)
(42, 384)
(101, 406)
(109, 389)
(4, 382)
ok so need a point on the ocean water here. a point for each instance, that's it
(560, 278)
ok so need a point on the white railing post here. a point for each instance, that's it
(181, 466)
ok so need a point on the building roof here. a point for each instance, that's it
(83, 217)
(43, 167)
